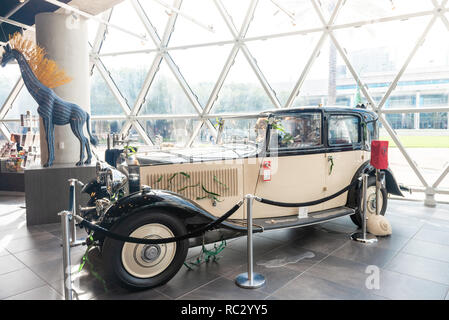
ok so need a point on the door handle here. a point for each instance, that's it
(331, 160)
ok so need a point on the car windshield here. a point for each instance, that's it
(237, 137)
(242, 130)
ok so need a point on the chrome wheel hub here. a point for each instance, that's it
(151, 252)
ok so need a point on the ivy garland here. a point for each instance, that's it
(205, 255)
(85, 259)
(209, 194)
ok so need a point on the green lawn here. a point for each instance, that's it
(420, 141)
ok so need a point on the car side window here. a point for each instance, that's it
(343, 129)
(296, 132)
(370, 135)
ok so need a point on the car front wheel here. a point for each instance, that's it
(371, 204)
(141, 266)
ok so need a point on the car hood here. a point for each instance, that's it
(199, 154)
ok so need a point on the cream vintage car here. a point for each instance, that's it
(291, 156)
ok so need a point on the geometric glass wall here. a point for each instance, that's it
(178, 72)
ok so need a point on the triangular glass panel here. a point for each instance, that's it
(8, 78)
(431, 62)
(169, 132)
(444, 184)
(157, 14)
(124, 16)
(102, 101)
(101, 129)
(23, 103)
(356, 10)
(14, 127)
(416, 145)
(398, 164)
(3, 139)
(241, 90)
(327, 8)
(424, 84)
(92, 28)
(423, 135)
(201, 67)
(272, 17)
(328, 82)
(237, 10)
(207, 25)
(399, 121)
(129, 72)
(292, 54)
(205, 138)
(166, 96)
(134, 135)
(378, 51)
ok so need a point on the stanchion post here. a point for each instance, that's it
(250, 280)
(72, 208)
(378, 186)
(66, 262)
(364, 204)
(364, 236)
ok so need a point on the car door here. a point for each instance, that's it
(344, 154)
(297, 158)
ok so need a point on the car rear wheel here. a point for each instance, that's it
(141, 266)
(371, 204)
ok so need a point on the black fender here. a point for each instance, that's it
(390, 183)
(145, 200)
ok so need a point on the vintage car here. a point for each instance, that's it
(289, 155)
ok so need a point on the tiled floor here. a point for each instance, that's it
(317, 262)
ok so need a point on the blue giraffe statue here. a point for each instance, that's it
(52, 109)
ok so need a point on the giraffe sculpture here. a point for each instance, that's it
(40, 75)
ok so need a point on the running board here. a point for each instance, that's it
(261, 224)
(294, 221)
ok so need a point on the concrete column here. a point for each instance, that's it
(65, 38)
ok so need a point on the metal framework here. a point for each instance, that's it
(239, 43)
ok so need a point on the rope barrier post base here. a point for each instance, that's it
(67, 265)
(250, 280)
(363, 236)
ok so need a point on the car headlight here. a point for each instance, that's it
(114, 180)
(100, 170)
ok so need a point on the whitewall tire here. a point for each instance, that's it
(371, 204)
(141, 266)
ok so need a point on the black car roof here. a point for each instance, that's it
(317, 109)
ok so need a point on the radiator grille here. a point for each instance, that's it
(190, 184)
